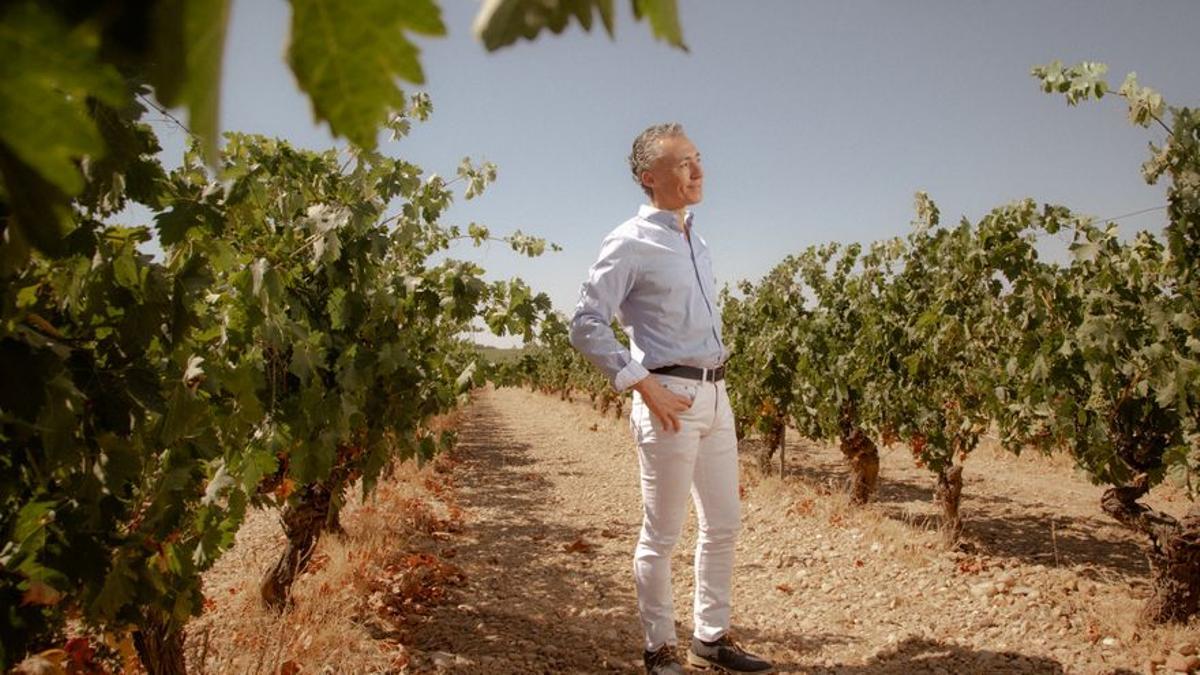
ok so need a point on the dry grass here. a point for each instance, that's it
(342, 618)
(1103, 609)
(913, 540)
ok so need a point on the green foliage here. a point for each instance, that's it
(1114, 374)
(503, 22)
(294, 333)
(63, 60)
(551, 365)
(760, 329)
(49, 74)
(109, 437)
(898, 341)
(348, 56)
(1095, 368)
(951, 334)
(1079, 82)
(937, 337)
(663, 16)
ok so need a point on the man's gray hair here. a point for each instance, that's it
(646, 149)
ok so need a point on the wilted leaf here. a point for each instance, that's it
(40, 593)
(578, 546)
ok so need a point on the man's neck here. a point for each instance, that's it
(681, 221)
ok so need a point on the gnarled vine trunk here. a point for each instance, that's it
(303, 521)
(948, 495)
(863, 459)
(862, 456)
(1173, 550)
(159, 647)
(775, 439)
(317, 509)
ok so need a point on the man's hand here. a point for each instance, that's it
(662, 402)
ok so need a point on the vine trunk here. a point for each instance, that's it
(948, 495)
(1172, 548)
(862, 456)
(160, 647)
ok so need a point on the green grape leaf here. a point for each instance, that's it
(347, 57)
(31, 519)
(47, 75)
(204, 35)
(125, 271)
(41, 211)
(120, 587)
(185, 64)
(663, 16)
(503, 22)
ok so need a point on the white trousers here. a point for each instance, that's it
(700, 459)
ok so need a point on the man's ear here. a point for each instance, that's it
(647, 180)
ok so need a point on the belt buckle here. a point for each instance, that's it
(704, 374)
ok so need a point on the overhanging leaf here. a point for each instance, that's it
(347, 57)
(503, 22)
(46, 76)
(204, 32)
(663, 16)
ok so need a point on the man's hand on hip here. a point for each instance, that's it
(662, 402)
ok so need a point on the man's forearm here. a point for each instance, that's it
(594, 338)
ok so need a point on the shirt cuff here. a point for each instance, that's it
(630, 375)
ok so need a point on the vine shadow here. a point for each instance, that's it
(996, 525)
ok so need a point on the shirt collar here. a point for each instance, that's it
(664, 218)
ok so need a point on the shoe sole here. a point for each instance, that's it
(697, 661)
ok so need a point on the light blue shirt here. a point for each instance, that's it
(661, 288)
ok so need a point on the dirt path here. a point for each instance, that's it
(549, 489)
(538, 506)
(552, 511)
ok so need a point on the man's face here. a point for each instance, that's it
(676, 179)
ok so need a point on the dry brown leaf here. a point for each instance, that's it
(49, 662)
(40, 593)
(578, 546)
(286, 487)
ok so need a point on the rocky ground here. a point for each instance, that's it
(514, 556)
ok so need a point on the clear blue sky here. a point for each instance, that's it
(817, 120)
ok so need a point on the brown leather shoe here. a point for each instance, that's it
(662, 662)
(726, 655)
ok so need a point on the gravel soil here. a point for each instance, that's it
(550, 510)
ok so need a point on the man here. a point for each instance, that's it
(655, 275)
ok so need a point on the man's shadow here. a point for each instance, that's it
(913, 655)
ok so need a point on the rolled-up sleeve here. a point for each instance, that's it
(608, 283)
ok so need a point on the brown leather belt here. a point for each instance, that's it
(703, 374)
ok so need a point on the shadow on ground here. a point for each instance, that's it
(530, 608)
(919, 655)
(997, 525)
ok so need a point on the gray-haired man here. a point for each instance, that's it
(655, 275)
